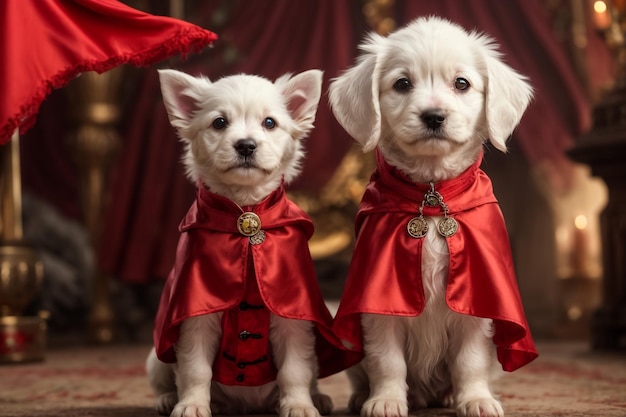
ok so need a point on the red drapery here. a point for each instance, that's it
(560, 111)
(149, 194)
(266, 37)
(46, 43)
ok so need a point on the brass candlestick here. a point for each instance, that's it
(94, 106)
(22, 338)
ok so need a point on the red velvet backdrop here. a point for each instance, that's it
(559, 110)
(148, 192)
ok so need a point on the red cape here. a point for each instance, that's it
(211, 270)
(383, 277)
(46, 43)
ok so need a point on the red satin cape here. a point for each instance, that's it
(211, 270)
(46, 43)
(383, 277)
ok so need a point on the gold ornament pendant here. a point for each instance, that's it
(248, 224)
(417, 227)
(447, 227)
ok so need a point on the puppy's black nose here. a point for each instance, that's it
(245, 147)
(433, 119)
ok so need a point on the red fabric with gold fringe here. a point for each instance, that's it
(46, 43)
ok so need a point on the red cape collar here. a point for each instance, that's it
(220, 214)
(451, 189)
(391, 191)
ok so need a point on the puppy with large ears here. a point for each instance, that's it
(242, 326)
(431, 296)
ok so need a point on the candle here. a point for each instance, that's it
(580, 246)
(601, 15)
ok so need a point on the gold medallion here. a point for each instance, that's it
(447, 227)
(248, 224)
(417, 227)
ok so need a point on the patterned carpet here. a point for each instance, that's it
(566, 380)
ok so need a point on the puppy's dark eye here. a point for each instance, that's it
(402, 85)
(219, 123)
(461, 84)
(269, 123)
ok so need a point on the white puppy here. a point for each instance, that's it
(432, 291)
(243, 137)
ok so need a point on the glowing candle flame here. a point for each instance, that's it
(599, 6)
(601, 15)
(581, 222)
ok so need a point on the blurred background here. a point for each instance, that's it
(104, 190)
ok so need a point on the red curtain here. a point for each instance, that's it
(149, 194)
(560, 111)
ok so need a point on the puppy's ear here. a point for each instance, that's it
(302, 93)
(507, 96)
(181, 93)
(354, 96)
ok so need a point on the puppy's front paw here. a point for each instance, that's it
(480, 407)
(166, 403)
(323, 403)
(190, 410)
(384, 408)
(298, 411)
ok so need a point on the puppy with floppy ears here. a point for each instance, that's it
(431, 296)
(242, 325)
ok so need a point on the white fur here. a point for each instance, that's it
(244, 101)
(431, 53)
(212, 160)
(411, 362)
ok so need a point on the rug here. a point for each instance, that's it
(566, 380)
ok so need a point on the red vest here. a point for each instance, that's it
(384, 277)
(217, 269)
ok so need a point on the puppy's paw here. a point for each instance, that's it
(190, 410)
(357, 399)
(166, 403)
(298, 411)
(480, 407)
(380, 407)
(323, 403)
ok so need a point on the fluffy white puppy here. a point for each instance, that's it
(243, 139)
(428, 97)
(212, 118)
